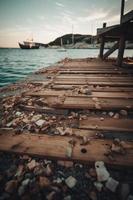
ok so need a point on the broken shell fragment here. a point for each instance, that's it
(102, 173)
(70, 181)
(112, 184)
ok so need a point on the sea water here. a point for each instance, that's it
(16, 64)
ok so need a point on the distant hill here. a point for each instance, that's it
(67, 39)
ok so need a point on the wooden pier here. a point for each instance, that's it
(99, 88)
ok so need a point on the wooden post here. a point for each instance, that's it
(111, 50)
(122, 9)
(121, 50)
(102, 44)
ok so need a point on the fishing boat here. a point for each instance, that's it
(29, 44)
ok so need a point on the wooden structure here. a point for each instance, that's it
(117, 33)
(109, 90)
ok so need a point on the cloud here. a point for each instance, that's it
(41, 17)
(60, 4)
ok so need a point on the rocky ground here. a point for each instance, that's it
(24, 177)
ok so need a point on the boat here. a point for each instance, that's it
(62, 49)
(29, 44)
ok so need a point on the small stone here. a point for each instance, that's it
(125, 190)
(20, 170)
(32, 164)
(18, 113)
(58, 180)
(11, 186)
(92, 172)
(48, 170)
(115, 148)
(51, 195)
(101, 118)
(66, 164)
(69, 151)
(116, 116)
(123, 112)
(25, 182)
(40, 122)
(98, 186)
(111, 114)
(44, 182)
(93, 195)
(21, 190)
(111, 184)
(70, 181)
(104, 113)
(102, 173)
(36, 118)
(67, 197)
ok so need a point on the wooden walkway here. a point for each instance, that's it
(80, 85)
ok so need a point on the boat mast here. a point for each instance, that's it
(72, 36)
(61, 42)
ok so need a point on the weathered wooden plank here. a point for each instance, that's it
(96, 72)
(46, 110)
(95, 123)
(56, 147)
(110, 51)
(125, 76)
(45, 93)
(98, 89)
(90, 69)
(90, 103)
(100, 83)
(91, 79)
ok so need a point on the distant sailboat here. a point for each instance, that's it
(62, 49)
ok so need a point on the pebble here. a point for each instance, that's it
(101, 118)
(21, 190)
(111, 114)
(48, 170)
(36, 118)
(69, 151)
(25, 182)
(20, 171)
(70, 181)
(51, 195)
(92, 172)
(44, 182)
(18, 113)
(98, 186)
(40, 122)
(123, 112)
(66, 164)
(111, 184)
(32, 164)
(67, 197)
(11, 186)
(125, 190)
(93, 195)
(102, 173)
(116, 116)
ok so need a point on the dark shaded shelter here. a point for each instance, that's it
(120, 33)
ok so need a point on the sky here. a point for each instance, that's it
(45, 20)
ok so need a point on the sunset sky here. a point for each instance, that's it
(47, 19)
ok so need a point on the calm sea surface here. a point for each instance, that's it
(16, 64)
